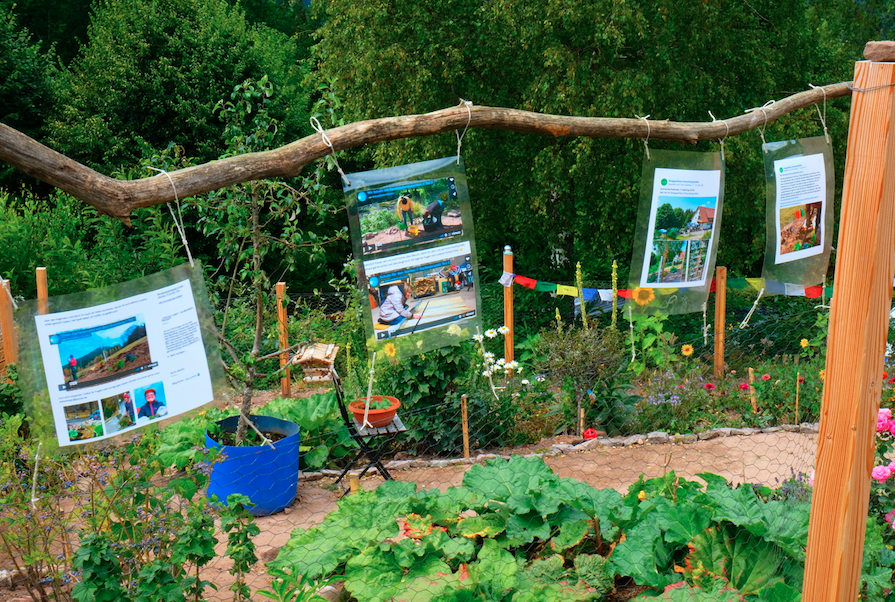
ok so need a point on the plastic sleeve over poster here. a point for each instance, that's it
(117, 365)
(677, 232)
(412, 230)
(800, 184)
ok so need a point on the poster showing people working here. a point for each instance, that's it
(681, 228)
(122, 364)
(800, 182)
(412, 228)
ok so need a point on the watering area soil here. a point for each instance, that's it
(767, 456)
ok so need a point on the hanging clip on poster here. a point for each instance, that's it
(705, 326)
(319, 129)
(823, 117)
(762, 108)
(177, 223)
(745, 321)
(645, 119)
(721, 140)
(468, 105)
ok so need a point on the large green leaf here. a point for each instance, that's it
(488, 525)
(528, 527)
(495, 568)
(571, 534)
(787, 526)
(739, 506)
(637, 555)
(375, 575)
(499, 479)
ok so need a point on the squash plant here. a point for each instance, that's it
(516, 531)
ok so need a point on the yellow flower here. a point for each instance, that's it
(687, 350)
(390, 350)
(641, 496)
(643, 296)
(822, 374)
(803, 343)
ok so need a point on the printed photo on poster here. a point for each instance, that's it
(416, 292)
(97, 355)
(681, 227)
(408, 214)
(116, 366)
(800, 207)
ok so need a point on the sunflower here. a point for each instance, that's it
(687, 350)
(803, 343)
(390, 349)
(643, 296)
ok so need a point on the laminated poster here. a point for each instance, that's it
(800, 187)
(411, 228)
(117, 365)
(677, 231)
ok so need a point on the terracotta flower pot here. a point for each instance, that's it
(378, 418)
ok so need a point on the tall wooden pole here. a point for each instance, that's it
(282, 321)
(465, 418)
(720, 318)
(42, 295)
(508, 305)
(857, 340)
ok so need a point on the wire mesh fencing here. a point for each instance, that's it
(611, 462)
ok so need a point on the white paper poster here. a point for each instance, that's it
(681, 228)
(115, 367)
(800, 207)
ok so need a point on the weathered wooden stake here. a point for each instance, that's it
(508, 305)
(752, 398)
(353, 483)
(580, 419)
(7, 327)
(283, 323)
(465, 426)
(798, 381)
(720, 318)
(857, 339)
(42, 295)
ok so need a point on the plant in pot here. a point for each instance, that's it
(375, 410)
(247, 221)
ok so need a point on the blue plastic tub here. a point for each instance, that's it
(268, 477)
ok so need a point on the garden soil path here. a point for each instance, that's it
(767, 458)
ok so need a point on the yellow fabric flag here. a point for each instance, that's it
(562, 289)
(756, 283)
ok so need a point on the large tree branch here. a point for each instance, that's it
(119, 198)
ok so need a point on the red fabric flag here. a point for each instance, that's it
(713, 288)
(625, 293)
(526, 282)
(813, 292)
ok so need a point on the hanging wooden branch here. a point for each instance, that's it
(118, 198)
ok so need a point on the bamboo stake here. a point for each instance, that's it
(720, 318)
(752, 390)
(798, 380)
(353, 484)
(283, 324)
(43, 300)
(508, 307)
(856, 342)
(580, 419)
(465, 418)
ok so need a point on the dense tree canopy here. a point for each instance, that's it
(153, 70)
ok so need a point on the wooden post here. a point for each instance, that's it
(353, 483)
(465, 418)
(508, 305)
(282, 320)
(857, 340)
(42, 296)
(10, 348)
(752, 390)
(798, 381)
(720, 318)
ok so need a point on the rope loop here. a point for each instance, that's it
(319, 129)
(726, 133)
(761, 130)
(823, 117)
(645, 119)
(468, 105)
(178, 223)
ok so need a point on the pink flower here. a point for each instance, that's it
(892, 381)
(884, 414)
(892, 467)
(811, 478)
(884, 425)
(881, 473)
(765, 377)
(744, 386)
(889, 515)
(710, 386)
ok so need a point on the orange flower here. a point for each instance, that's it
(687, 350)
(390, 350)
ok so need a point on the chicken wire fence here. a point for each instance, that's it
(572, 480)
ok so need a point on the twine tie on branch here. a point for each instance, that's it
(645, 119)
(745, 321)
(870, 89)
(319, 129)
(264, 440)
(761, 130)
(721, 141)
(468, 105)
(823, 117)
(178, 223)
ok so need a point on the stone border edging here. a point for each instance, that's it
(654, 438)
